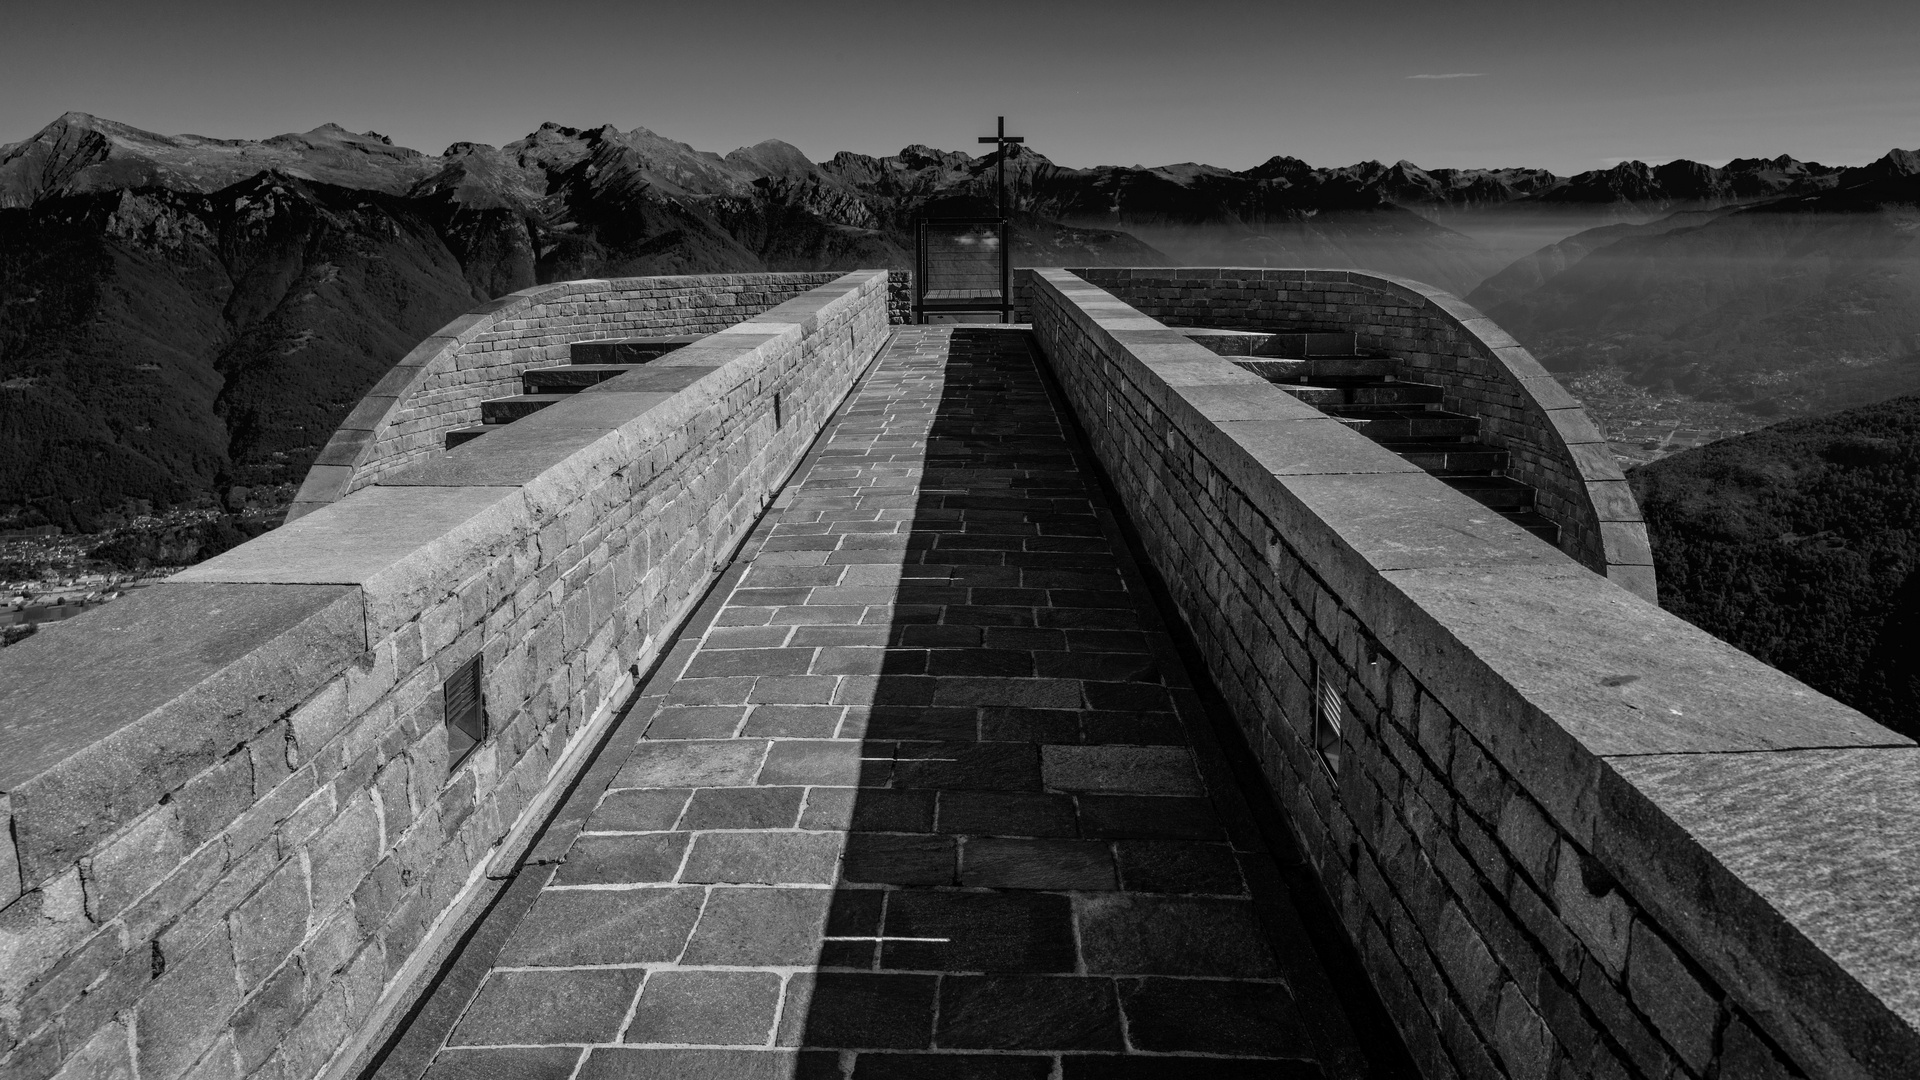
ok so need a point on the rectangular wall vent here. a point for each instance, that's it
(466, 712)
(1329, 718)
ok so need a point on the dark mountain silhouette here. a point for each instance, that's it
(1545, 209)
(181, 314)
(80, 154)
(1800, 543)
(1796, 305)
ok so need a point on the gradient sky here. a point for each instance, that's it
(1565, 86)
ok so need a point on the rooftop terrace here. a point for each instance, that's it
(1044, 700)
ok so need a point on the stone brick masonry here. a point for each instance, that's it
(1440, 339)
(924, 792)
(236, 834)
(1571, 835)
(439, 384)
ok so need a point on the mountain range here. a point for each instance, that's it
(1799, 304)
(182, 315)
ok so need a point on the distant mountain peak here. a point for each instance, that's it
(1894, 168)
(332, 129)
(772, 157)
(1907, 162)
(1281, 167)
(922, 156)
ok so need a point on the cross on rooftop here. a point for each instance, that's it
(1003, 140)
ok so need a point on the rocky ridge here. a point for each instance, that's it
(183, 314)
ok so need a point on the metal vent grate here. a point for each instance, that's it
(466, 711)
(1329, 718)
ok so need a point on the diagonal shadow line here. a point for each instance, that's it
(983, 906)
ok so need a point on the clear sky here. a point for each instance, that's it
(1565, 86)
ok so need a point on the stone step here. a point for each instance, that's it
(1275, 370)
(1314, 344)
(637, 350)
(1394, 422)
(505, 410)
(1270, 343)
(1498, 492)
(1320, 397)
(1457, 457)
(1320, 368)
(1227, 342)
(1395, 394)
(1534, 522)
(570, 379)
(1295, 343)
(467, 434)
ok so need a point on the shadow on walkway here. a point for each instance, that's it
(925, 791)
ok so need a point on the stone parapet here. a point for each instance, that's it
(439, 385)
(238, 831)
(1440, 339)
(1570, 834)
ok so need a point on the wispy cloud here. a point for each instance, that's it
(1450, 75)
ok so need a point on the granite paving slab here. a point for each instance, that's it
(925, 793)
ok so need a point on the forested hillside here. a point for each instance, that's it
(1800, 543)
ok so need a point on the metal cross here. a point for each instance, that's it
(1003, 140)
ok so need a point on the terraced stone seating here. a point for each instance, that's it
(1370, 395)
(590, 363)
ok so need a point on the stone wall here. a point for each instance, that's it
(1441, 339)
(236, 834)
(439, 385)
(1571, 835)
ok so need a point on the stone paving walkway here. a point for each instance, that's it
(923, 793)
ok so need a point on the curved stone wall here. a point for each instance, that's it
(439, 385)
(1552, 444)
(237, 833)
(1570, 834)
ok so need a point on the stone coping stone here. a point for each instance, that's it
(404, 546)
(1405, 519)
(103, 714)
(656, 378)
(1222, 403)
(1554, 668)
(1801, 873)
(518, 453)
(355, 540)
